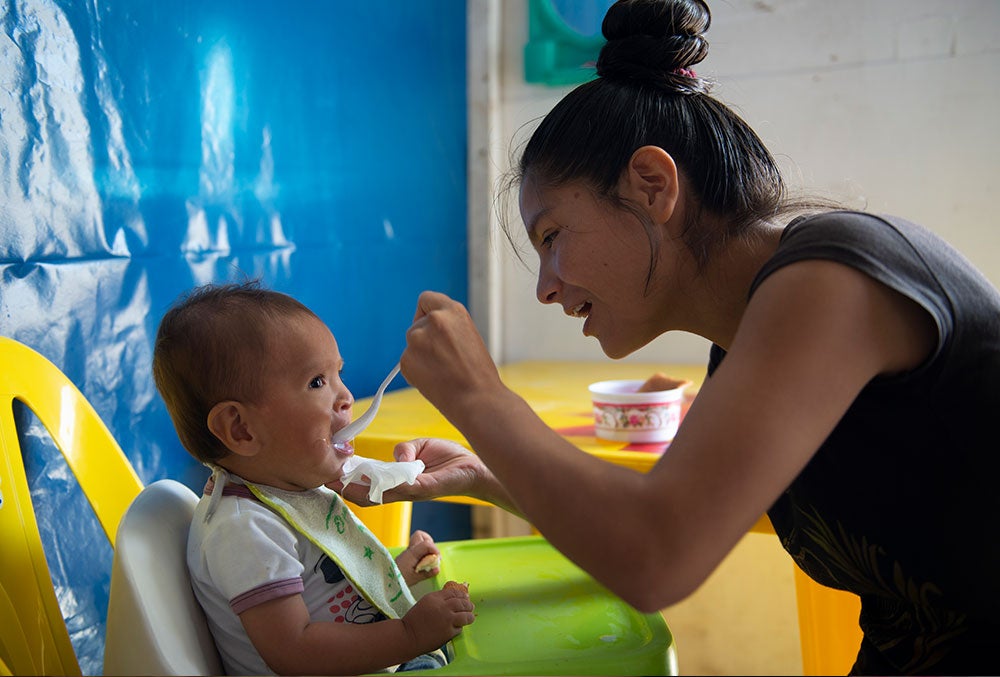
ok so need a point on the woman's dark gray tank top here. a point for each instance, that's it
(901, 504)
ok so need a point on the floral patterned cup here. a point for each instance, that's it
(623, 414)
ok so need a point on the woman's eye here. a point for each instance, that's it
(549, 238)
(317, 382)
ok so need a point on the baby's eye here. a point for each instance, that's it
(317, 382)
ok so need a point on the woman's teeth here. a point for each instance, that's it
(581, 310)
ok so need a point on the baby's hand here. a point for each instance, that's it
(438, 616)
(420, 560)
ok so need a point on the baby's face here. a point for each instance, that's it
(302, 405)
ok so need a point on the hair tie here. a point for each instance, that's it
(686, 72)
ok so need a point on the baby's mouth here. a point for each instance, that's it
(346, 447)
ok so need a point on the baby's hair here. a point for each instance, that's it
(212, 346)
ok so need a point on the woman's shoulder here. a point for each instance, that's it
(852, 225)
(872, 243)
(891, 248)
(885, 246)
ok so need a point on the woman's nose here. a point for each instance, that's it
(547, 289)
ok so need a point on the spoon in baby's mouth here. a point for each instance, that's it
(342, 437)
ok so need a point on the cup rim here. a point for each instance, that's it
(618, 387)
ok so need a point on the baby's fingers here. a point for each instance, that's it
(463, 618)
(462, 608)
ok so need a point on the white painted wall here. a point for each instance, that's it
(890, 102)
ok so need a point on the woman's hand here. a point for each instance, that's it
(445, 357)
(449, 470)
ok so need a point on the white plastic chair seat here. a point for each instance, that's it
(155, 624)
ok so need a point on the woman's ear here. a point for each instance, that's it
(229, 422)
(651, 180)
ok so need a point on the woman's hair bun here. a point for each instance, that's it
(656, 41)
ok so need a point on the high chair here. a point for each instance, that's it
(537, 614)
(155, 624)
(34, 640)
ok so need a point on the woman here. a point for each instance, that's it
(852, 382)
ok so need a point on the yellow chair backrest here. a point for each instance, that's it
(34, 639)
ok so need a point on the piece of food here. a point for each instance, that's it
(658, 381)
(428, 562)
(464, 587)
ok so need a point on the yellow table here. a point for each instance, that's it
(557, 391)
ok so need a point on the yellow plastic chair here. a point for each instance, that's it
(828, 627)
(829, 634)
(34, 640)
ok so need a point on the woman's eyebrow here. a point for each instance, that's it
(532, 223)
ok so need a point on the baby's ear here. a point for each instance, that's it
(228, 421)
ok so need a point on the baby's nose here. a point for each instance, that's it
(344, 401)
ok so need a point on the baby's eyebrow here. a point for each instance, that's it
(312, 369)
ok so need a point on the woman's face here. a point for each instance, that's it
(593, 261)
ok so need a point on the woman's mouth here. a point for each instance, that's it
(582, 310)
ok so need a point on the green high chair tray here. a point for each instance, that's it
(537, 613)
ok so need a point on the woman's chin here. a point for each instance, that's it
(615, 352)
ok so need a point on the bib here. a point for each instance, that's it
(323, 517)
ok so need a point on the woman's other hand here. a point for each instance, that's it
(449, 470)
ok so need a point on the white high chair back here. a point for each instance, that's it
(155, 624)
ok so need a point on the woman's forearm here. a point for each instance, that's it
(589, 509)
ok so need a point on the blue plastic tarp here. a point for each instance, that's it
(146, 147)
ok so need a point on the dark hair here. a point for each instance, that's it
(209, 348)
(647, 94)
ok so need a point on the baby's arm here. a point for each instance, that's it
(290, 643)
(421, 545)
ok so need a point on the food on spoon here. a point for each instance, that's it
(428, 562)
(659, 381)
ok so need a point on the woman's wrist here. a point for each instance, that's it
(492, 491)
(474, 408)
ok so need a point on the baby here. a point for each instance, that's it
(290, 580)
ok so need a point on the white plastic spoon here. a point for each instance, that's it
(352, 429)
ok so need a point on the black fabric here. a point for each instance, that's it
(900, 505)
